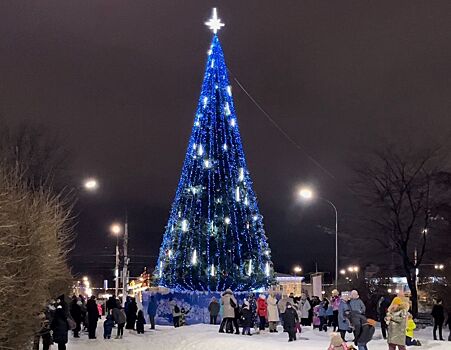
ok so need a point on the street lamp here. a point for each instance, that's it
(297, 269)
(116, 230)
(307, 194)
(354, 269)
(439, 266)
(91, 184)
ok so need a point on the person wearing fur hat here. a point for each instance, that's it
(262, 311)
(337, 342)
(273, 313)
(246, 318)
(396, 320)
(289, 321)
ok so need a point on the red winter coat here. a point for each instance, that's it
(262, 309)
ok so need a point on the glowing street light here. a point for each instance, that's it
(343, 272)
(297, 269)
(306, 193)
(116, 229)
(439, 266)
(91, 184)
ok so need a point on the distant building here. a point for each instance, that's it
(287, 284)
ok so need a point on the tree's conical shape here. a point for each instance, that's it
(215, 239)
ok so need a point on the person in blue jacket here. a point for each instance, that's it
(152, 311)
(344, 311)
(323, 306)
(108, 325)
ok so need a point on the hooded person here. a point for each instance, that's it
(246, 318)
(304, 308)
(337, 342)
(120, 318)
(273, 313)
(76, 314)
(229, 304)
(262, 311)
(60, 327)
(131, 312)
(108, 325)
(357, 309)
(282, 305)
(438, 314)
(289, 321)
(397, 322)
(365, 332)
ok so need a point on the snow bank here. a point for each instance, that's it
(206, 337)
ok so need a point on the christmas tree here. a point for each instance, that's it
(215, 238)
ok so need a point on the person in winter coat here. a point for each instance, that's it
(323, 306)
(330, 315)
(120, 318)
(335, 302)
(253, 310)
(304, 308)
(110, 304)
(410, 328)
(213, 309)
(357, 308)
(108, 325)
(246, 318)
(364, 331)
(132, 309)
(382, 307)
(176, 313)
(448, 323)
(290, 319)
(337, 342)
(76, 314)
(262, 311)
(438, 313)
(140, 322)
(316, 322)
(60, 327)
(152, 311)
(282, 305)
(93, 316)
(344, 310)
(397, 321)
(229, 304)
(273, 313)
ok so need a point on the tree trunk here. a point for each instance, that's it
(412, 282)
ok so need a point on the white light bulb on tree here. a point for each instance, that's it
(227, 220)
(184, 225)
(249, 269)
(267, 269)
(194, 257)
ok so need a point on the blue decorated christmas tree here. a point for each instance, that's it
(215, 238)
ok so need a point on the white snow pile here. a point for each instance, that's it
(206, 337)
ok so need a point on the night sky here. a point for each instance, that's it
(120, 80)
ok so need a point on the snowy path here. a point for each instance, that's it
(206, 337)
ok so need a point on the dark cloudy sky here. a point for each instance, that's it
(119, 80)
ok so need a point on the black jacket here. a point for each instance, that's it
(246, 317)
(75, 311)
(59, 327)
(365, 335)
(438, 312)
(93, 311)
(290, 317)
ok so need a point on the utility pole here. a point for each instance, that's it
(116, 270)
(126, 261)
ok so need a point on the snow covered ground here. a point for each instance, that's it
(206, 337)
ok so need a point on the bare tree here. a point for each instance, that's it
(404, 193)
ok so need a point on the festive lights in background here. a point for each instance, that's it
(215, 238)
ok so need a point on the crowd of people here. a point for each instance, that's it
(344, 313)
(81, 316)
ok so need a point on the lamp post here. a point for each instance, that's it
(116, 230)
(297, 269)
(90, 184)
(308, 194)
(126, 260)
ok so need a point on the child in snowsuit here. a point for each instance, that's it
(108, 326)
(337, 342)
(290, 318)
(410, 341)
(246, 318)
(140, 322)
(323, 306)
